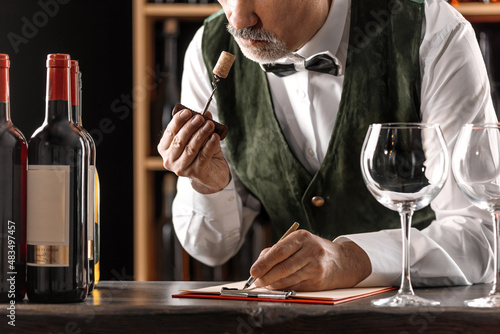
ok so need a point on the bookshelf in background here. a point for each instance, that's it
(155, 24)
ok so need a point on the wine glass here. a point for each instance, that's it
(476, 167)
(404, 166)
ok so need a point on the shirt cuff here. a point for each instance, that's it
(219, 204)
(199, 226)
(384, 253)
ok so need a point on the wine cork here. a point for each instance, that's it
(224, 64)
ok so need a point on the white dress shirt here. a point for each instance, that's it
(455, 249)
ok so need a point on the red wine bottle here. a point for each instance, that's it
(76, 117)
(13, 159)
(57, 197)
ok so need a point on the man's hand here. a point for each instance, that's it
(190, 148)
(305, 262)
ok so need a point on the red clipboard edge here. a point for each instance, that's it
(289, 300)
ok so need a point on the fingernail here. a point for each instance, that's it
(185, 114)
(197, 120)
(207, 127)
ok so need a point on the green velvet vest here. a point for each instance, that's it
(382, 84)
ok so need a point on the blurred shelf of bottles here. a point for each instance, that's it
(171, 39)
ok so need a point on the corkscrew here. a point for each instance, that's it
(214, 84)
(221, 70)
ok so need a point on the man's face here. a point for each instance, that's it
(267, 30)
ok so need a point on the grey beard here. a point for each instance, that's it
(274, 50)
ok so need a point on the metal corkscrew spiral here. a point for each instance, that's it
(214, 84)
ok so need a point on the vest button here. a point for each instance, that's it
(318, 201)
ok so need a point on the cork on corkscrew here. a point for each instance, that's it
(221, 70)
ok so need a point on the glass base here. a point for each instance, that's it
(401, 300)
(490, 301)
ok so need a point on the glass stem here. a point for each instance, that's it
(406, 217)
(495, 289)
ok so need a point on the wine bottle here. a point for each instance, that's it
(76, 118)
(13, 168)
(97, 191)
(56, 200)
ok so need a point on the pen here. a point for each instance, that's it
(290, 230)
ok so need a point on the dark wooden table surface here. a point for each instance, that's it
(147, 307)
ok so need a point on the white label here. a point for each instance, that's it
(48, 208)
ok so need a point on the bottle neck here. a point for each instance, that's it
(58, 94)
(4, 112)
(79, 109)
(75, 101)
(74, 114)
(4, 95)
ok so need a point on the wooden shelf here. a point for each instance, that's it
(145, 166)
(480, 12)
(154, 164)
(478, 9)
(180, 11)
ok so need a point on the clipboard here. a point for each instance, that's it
(233, 291)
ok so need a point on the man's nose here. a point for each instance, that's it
(241, 13)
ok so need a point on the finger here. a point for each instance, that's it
(211, 147)
(279, 252)
(284, 273)
(183, 137)
(305, 279)
(208, 114)
(264, 251)
(200, 149)
(173, 128)
(293, 282)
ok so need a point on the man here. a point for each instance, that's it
(294, 140)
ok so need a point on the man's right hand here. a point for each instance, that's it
(189, 147)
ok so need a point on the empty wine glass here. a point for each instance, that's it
(404, 166)
(476, 167)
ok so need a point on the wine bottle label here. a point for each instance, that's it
(47, 231)
(48, 256)
(91, 209)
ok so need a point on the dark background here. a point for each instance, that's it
(488, 35)
(99, 35)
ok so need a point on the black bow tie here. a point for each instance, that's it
(322, 63)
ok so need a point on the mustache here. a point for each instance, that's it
(257, 34)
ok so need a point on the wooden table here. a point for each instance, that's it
(147, 307)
